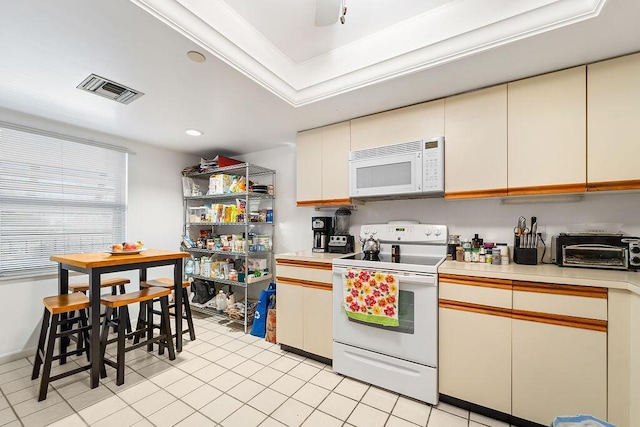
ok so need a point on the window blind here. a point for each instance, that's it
(57, 196)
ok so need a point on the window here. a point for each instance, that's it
(57, 195)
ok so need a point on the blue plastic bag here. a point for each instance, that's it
(259, 327)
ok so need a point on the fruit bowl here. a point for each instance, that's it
(127, 248)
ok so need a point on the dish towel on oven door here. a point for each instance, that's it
(370, 296)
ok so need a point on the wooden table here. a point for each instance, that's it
(95, 264)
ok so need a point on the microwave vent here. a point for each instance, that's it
(387, 150)
(109, 89)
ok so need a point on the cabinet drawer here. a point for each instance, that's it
(320, 274)
(566, 300)
(475, 290)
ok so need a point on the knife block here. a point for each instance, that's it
(526, 256)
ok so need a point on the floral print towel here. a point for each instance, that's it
(370, 296)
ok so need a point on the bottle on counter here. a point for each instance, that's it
(459, 254)
(496, 254)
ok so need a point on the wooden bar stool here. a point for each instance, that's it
(54, 307)
(117, 284)
(168, 283)
(112, 302)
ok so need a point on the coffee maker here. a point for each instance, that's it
(341, 241)
(322, 227)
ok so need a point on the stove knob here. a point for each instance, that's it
(437, 232)
(635, 260)
(427, 232)
(635, 249)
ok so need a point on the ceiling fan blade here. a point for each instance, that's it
(327, 12)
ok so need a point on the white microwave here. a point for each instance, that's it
(411, 168)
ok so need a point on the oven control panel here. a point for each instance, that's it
(408, 233)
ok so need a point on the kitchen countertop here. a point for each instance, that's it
(547, 273)
(310, 256)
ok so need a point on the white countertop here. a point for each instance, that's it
(547, 273)
(544, 273)
(310, 256)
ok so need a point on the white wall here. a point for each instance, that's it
(154, 216)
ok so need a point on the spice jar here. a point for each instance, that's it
(467, 254)
(459, 254)
(497, 256)
(475, 254)
(482, 255)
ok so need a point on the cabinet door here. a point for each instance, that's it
(558, 370)
(475, 358)
(335, 162)
(309, 165)
(318, 322)
(290, 315)
(476, 144)
(406, 124)
(547, 133)
(613, 89)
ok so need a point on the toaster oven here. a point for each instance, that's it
(611, 251)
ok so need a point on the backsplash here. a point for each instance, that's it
(494, 222)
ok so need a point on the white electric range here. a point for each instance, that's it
(400, 358)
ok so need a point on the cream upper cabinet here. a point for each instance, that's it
(613, 139)
(309, 165)
(476, 143)
(323, 165)
(335, 161)
(396, 126)
(547, 133)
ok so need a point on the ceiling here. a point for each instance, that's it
(270, 72)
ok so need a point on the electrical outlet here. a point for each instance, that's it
(542, 231)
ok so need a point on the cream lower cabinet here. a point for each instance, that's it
(531, 350)
(322, 162)
(613, 149)
(289, 315)
(559, 351)
(304, 306)
(475, 341)
(475, 357)
(558, 370)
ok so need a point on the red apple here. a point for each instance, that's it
(117, 247)
(129, 246)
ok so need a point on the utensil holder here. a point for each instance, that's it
(526, 256)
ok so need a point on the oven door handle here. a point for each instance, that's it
(402, 278)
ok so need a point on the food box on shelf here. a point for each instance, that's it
(220, 183)
(256, 264)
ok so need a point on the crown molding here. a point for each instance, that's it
(419, 43)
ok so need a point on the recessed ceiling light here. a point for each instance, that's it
(194, 132)
(196, 56)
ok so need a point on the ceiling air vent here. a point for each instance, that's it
(109, 89)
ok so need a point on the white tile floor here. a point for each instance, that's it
(223, 378)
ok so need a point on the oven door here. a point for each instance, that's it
(386, 176)
(415, 339)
